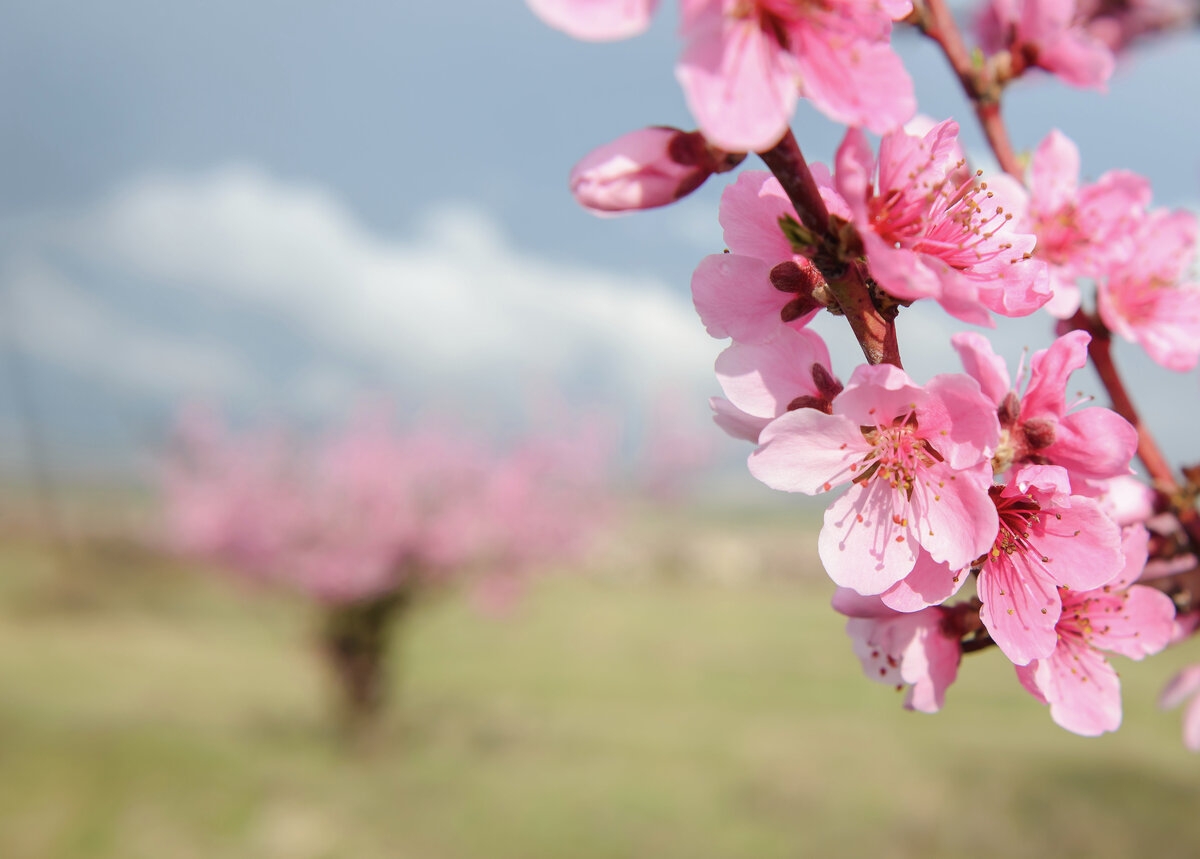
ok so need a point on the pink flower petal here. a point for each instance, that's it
(763, 379)
(1182, 686)
(596, 20)
(1191, 726)
(957, 520)
(1054, 173)
(929, 583)
(959, 420)
(739, 83)
(736, 422)
(734, 297)
(1093, 444)
(808, 451)
(1049, 371)
(854, 80)
(1020, 609)
(855, 165)
(982, 364)
(877, 394)
(1134, 623)
(867, 543)
(1081, 545)
(1082, 689)
(853, 604)
(750, 211)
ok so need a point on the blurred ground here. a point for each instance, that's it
(153, 710)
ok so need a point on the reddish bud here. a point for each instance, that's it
(791, 276)
(827, 384)
(1039, 432)
(806, 402)
(797, 307)
(1009, 410)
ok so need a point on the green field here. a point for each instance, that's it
(148, 710)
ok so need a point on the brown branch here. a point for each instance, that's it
(874, 330)
(982, 84)
(997, 135)
(788, 164)
(1148, 451)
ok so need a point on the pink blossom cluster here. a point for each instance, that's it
(967, 477)
(978, 508)
(1076, 40)
(1105, 233)
(964, 478)
(374, 509)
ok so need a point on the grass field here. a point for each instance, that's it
(151, 711)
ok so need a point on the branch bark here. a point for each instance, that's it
(980, 83)
(875, 331)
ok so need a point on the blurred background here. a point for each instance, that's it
(283, 211)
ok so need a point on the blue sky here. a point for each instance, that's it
(285, 205)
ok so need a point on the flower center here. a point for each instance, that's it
(954, 222)
(897, 454)
(775, 16)
(1059, 238)
(1017, 518)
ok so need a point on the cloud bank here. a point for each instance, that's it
(452, 313)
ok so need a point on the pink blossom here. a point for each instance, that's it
(1119, 23)
(765, 380)
(1048, 539)
(1185, 685)
(596, 20)
(1127, 500)
(224, 495)
(645, 168)
(1144, 296)
(917, 459)
(1186, 623)
(897, 649)
(1076, 680)
(372, 510)
(928, 235)
(1094, 444)
(1079, 229)
(762, 284)
(747, 61)
(1045, 33)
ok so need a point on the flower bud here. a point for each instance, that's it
(646, 168)
(1009, 410)
(827, 384)
(1039, 432)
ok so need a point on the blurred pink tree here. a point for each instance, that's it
(367, 520)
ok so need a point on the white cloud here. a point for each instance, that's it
(54, 319)
(453, 308)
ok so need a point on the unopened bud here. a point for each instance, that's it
(827, 384)
(1039, 432)
(792, 276)
(806, 402)
(797, 307)
(646, 168)
(1009, 410)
